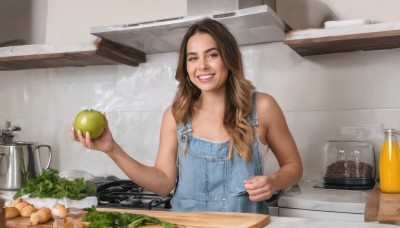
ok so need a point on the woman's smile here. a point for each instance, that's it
(205, 77)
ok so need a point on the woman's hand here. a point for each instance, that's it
(105, 143)
(259, 188)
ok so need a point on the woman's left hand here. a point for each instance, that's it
(259, 188)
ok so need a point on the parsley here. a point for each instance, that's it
(121, 220)
(50, 185)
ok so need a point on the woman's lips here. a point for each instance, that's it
(205, 77)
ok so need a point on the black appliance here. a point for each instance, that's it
(116, 193)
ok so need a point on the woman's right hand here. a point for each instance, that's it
(104, 143)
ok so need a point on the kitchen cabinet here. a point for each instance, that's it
(346, 39)
(101, 52)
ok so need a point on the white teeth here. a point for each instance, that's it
(203, 77)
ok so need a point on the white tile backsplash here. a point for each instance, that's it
(356, 80)
(319, 95)
(312, 129)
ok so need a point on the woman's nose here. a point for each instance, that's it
(203, 65)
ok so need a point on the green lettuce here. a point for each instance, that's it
(49, 185)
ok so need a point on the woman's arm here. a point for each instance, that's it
(159, 179)
(273, 130)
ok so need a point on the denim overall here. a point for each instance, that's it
(210, 181)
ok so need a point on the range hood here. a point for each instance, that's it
(251, 25)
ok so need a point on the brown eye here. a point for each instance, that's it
(191, 59)
(213, 55)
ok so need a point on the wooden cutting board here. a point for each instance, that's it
(382, 207)
(184, 219)
(372, 206)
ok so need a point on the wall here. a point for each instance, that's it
(303, 14)
(319, 95)
(66, 22)
(92, 13)
(12, 31)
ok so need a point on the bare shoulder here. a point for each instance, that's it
(168, 118)
(168, 113)
(265, 102)
(267, 108)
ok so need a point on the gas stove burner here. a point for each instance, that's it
(127, 194)
(132, 202)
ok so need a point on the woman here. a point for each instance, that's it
(212, 133)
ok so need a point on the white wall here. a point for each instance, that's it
(14, 20)
(303, 14)
(70, 21)
(319, 95)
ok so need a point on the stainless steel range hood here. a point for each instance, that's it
(252, 25)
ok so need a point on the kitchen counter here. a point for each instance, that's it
(307, 201)
(282, 222)
(291, 222)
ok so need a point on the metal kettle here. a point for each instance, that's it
(19, 161)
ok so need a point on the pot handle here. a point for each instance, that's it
(50, 154)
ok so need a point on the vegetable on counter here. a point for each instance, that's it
(118, 220)
(60, 211)
(41, 216)
(11, 212)
(50, 185)
(26, 210)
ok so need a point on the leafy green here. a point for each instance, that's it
(49, 185)
(99, 219)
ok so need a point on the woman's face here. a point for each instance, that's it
(204, 63)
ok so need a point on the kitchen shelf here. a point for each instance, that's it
(101, 52)
(346, 39)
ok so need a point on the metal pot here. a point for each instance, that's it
(19, 162)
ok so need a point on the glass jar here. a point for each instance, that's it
(349, 163)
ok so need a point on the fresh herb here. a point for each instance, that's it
(104, 219)
(49, 185)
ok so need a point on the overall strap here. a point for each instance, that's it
(185, 131)
(253, 117)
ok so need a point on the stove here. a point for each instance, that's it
(115, 193)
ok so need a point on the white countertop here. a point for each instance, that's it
(283, 222)
(305, 196)
(293, 222)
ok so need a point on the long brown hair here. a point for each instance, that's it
(238, 103)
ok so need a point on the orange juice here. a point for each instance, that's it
(389, 164)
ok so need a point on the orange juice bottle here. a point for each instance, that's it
(389, 163)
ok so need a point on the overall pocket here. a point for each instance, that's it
(202, 177)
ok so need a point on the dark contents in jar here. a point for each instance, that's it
(349, 169)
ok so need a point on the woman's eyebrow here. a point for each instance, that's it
(211, 49)
(206, 51)
(191, 53)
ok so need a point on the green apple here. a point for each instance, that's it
(90, 120)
